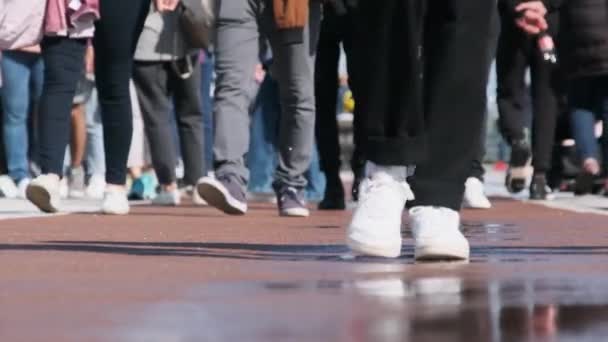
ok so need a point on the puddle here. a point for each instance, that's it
(387, 308)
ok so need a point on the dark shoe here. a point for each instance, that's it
(334, 195)
(290, 201)
(518, 166)
(224, 193)
(584, 183)
(539, 189)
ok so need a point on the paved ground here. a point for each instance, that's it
(192, 274)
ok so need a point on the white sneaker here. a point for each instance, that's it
(375, 228)
(474, 196)
(8, 188)
(168, 198)
(64, 188)
(22, 187)
(115, 202)
(96, 187)
(437, 235)
(43, 192)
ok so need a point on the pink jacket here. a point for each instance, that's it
(72, 18)
(20, 23)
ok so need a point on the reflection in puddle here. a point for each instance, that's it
(381, 309)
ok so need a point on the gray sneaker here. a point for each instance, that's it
(291, 201)
(225, 193)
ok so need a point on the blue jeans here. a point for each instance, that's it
(262, 157)
(588, 99)
(95, 158)
(207, 68)
(22, 74)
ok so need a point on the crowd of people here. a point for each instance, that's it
(149, 113)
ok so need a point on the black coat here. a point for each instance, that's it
(583, 39)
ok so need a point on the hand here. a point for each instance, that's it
(166, 5)
(259, 73)
(31, 49)
(532, 17)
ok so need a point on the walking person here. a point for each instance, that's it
(292, 29)
(516, 52)
(397, 105)
(22, 75)
(116, 33)
(168, 71)
(337, 29)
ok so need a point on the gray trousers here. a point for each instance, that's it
(241, 27)
(158, 84)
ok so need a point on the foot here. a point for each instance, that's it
(44, 193)
(334, 195)
(290, 201)
(170, 198)
(539, 190)
(474, 196)
(224, 193)
(22, 188)
(437, 234)
(8, 189)
(191, 192)
(115, 201)
(76, 182)
(96, 187)
(519, 166)
(375, 228)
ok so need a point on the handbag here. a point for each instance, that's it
(197, 22)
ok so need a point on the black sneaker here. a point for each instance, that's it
(584, 183)
(290, 201)
(334, 195)
(518, 166)
(538, 188)
(224, 193)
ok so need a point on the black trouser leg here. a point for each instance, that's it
(326, 85)
(116, 36)
(389, 83)
(511, 64)
(64, 63)
(456, 77)
(188, 108)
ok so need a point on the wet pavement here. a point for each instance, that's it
(191, 274)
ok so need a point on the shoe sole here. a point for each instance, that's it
(516, 179)
(115, 212)
(216, 196)
(295, 212)
(441, 253)
(392, 251)
(41, 198)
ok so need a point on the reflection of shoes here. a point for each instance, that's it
(474, 196)
(519, 166)
(438, 291)
(167, 198)
(437, 234)
(44, 193)
(96, 187)
(8, 188)
(392, 287)
(375, 228)
(22, 187)
(290, 201)
(76, 182)
(115, 202)
(224, 193)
